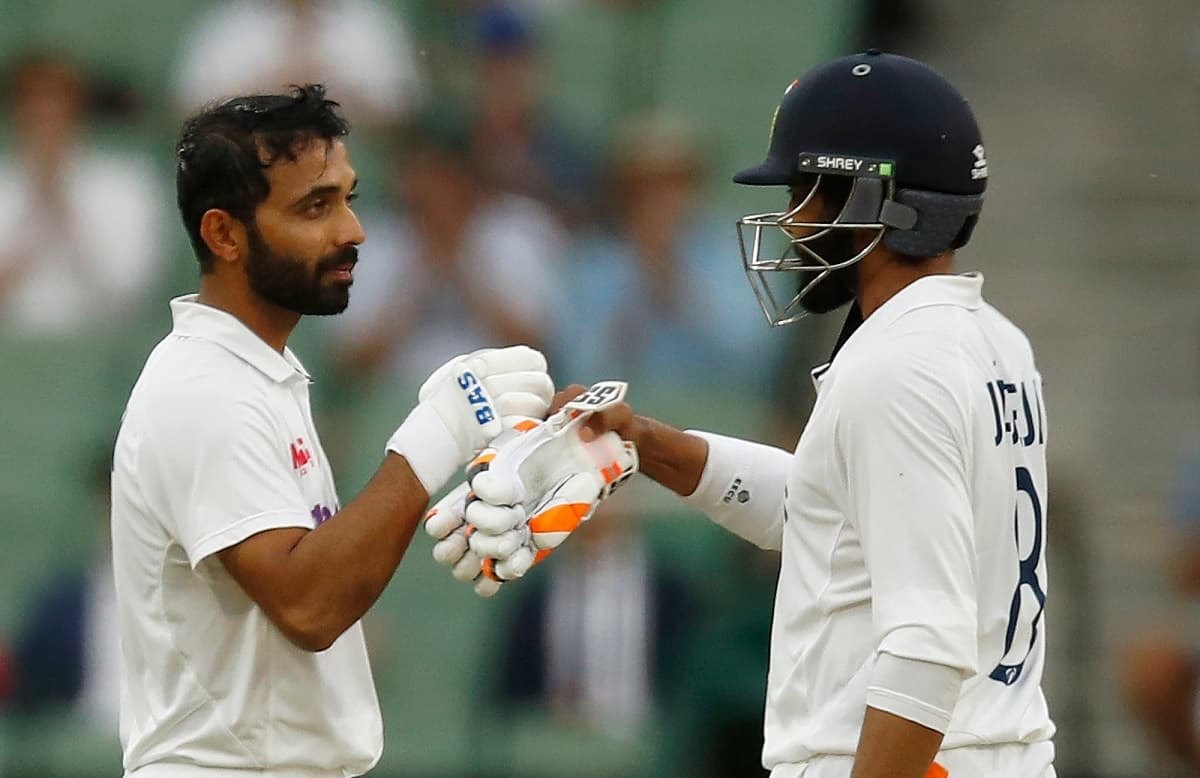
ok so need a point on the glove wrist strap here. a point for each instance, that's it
(429, 446)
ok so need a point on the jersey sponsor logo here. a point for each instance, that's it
(322, 513)
(475, 396)
(736, 492)
(301, 456)
(1017, 409)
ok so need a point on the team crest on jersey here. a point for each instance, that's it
(301, 456)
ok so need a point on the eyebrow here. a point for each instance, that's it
(325, 189)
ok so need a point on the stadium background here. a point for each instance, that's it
(1089, 111)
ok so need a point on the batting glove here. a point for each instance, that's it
(534, 486)
(462, 405)
(446, 524)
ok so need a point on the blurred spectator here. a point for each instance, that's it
(1160, 671)
(360, 49)
(662, 297)
(69, 651)
(81, 230)
(7, 680)
(718, 713)
(896, 25)
(452, 268)
(595, 639)
(517, 144)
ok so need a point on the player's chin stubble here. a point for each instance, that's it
(287, 281)
(836, 289)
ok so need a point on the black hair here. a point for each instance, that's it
(225, 148)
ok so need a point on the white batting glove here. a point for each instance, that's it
(532, 489)
(445, 523)
(462, 405)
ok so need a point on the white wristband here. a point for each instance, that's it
(742, 488)
(429, 446)
(919, 691)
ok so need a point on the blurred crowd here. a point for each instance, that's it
(490, 220)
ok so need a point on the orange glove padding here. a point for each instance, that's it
(534, 486)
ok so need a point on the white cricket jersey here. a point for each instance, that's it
(913, 523)
(217, 443)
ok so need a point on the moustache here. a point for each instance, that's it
(347, 256)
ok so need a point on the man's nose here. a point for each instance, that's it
(351, 231)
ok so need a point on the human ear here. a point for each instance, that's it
(224, 234)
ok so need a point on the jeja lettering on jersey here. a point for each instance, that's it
(1018, 411)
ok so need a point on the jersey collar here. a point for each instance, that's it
(193, 319)
(964, 291)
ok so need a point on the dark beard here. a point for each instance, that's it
(285, 281)
(838, 288)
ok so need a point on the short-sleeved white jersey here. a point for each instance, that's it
(217, 443)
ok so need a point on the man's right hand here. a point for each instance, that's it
(528, 491)
(462, 405)
(617, 417)
(673, 458)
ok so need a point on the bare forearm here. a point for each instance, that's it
(344, 565)
(894, 747)
(669, 456)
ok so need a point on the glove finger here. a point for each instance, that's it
(438, 526)
(440, 523)
(467, 568)
(495, 489)
(444, 372)
(522, 404)
(511, 359)
(499, 546)
(528, 381)
(486, 587)
(481, 462)
(514, 566)
(494, 519)
(447, 514)
(448, 551)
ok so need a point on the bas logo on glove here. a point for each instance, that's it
(475, 396)
(463, 406)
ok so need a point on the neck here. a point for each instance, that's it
(269, 322)
(879, 280)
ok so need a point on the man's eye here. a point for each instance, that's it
(350, 198)
(317, 207)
